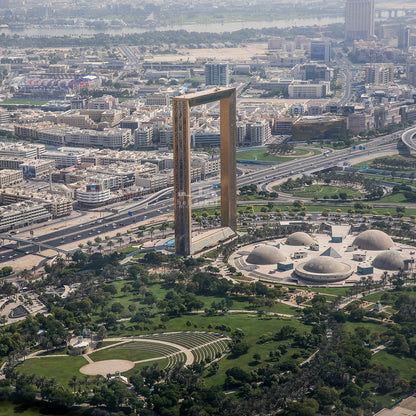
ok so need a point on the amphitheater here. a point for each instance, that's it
(335, 257)
(119, 355)
(172, 347)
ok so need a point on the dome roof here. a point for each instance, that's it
(389, 260)
(323, 269)
(266, 254)
(299, 239)
(323, 265)
(373, 240)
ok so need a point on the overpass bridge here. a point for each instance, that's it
(409, 139)
(400, 10)
(40, 245)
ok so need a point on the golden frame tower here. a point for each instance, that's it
(182, 165)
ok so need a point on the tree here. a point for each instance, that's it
(25, 274)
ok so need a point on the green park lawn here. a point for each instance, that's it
(118, 353)
(372, 326)
(59, 368)
(398, 158)
(239, 302)
(263, 155)
(406, 365)
(254, 327)
(337, 291)
(29, 102)
(161, 363)
(159, 291)
(322, 191)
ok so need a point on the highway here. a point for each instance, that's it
(408, 138)
(162, 202)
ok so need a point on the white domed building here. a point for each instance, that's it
(323, 270)
(322, 259)
(265, 254)
(373, 240)
(390, 260)
(300, 239)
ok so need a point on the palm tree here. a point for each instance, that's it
(163, 227)
(73, 383)
(89, 244)
(110, 243)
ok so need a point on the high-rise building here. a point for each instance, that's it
(411, 73)
(216, 74)
(359, 19)
(404, 38)
(379, 74)
(321, 51)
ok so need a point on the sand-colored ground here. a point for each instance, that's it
(240, 53)
(106, 367)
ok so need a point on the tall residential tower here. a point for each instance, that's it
(359, 19)
(216, 74)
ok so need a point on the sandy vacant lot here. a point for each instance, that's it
(241, 53)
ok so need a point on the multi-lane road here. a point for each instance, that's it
(162, 204)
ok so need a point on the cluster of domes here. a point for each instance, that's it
(389, 260)
(328, 266)
(300, 239)
(373, 240)
(266, 254)
(323, 269)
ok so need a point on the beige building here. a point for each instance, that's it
(359, 19)
(152, 182)
(56, 205)
(10, 177)
(308, 90)
(37, 167)
(379, 74)
(360, 122)
(159, 99)
(22, 214)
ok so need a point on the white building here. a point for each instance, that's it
(93, 195)
(306, 90)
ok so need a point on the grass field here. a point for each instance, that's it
(398, 158)
(59, 368)
(254, 327)
(263, 155)
(372, 326)
(406, 366)
(396, 198)
(29, 102)
(118, 353)
(322, 191)
(315, 208)
(161, 363)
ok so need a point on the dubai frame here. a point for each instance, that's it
(182, 167)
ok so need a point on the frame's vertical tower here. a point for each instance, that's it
(182, 175)
(182, 164)
(228, 134)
